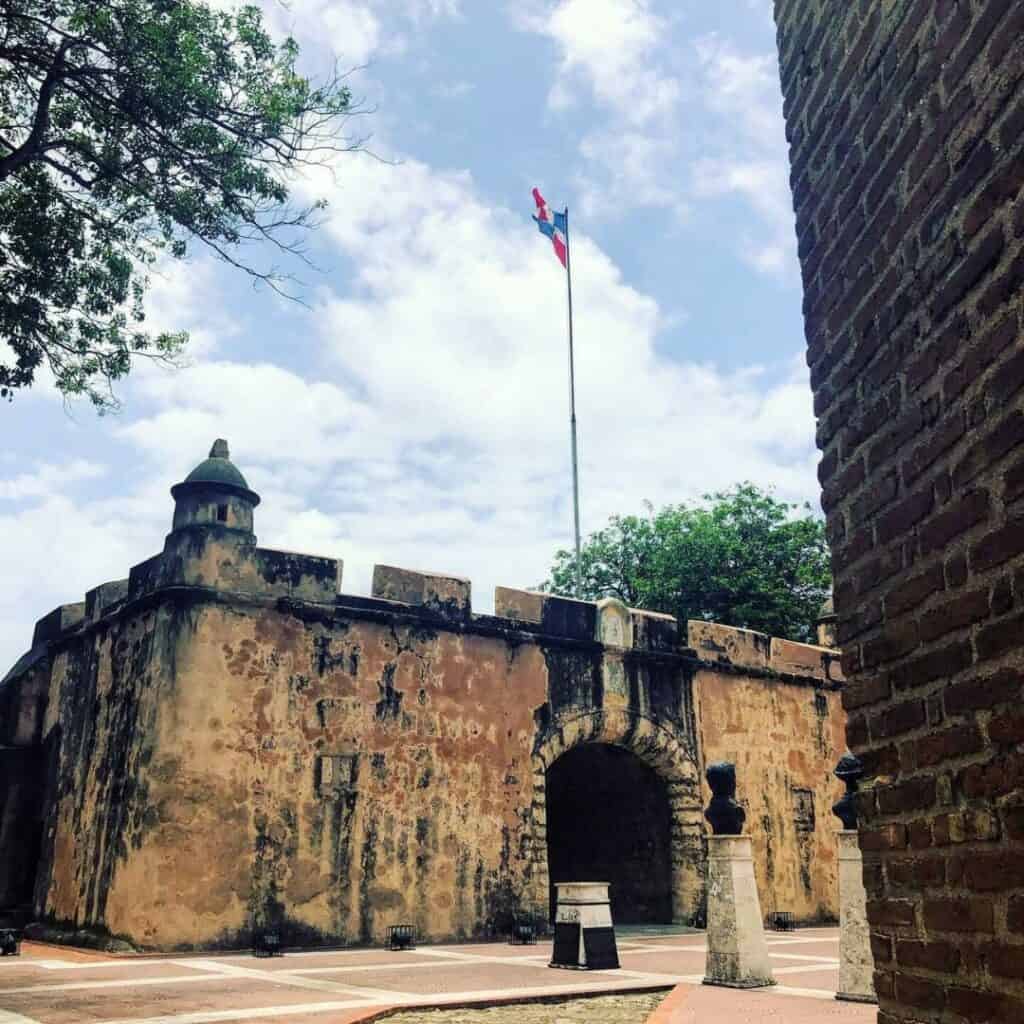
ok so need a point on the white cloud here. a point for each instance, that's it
(608, 46)
(349, 29)
(47, 479)
(354, 32)
(56, 546)
(743, 87)
(612, 51)
(186, 295)
(421, 10)
(742, 91)
(632, 170)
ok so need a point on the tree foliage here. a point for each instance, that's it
(128, 130)
(742, 558)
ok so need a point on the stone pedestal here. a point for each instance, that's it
(856, 965)
(584, 935)
(737, 950)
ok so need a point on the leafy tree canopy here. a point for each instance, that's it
(742, 558)
(129, 129)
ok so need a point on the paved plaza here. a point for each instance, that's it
(56, 985)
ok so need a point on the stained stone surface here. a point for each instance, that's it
(856, 966)
(628, 1009)
(737, 954)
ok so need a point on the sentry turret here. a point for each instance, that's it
(215, 494)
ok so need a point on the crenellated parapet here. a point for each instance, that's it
(212, 560)
(603, 652)
(447, 597)
(53, 624)
(608, 621)
(103, 598)
(730, 647)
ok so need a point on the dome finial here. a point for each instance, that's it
(219, 449)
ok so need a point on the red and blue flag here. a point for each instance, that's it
(554, 224)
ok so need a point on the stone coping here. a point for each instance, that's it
(553, 621)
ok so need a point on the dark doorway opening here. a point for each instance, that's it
(609, 820)
(22, 789)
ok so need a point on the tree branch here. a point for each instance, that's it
(30, 147)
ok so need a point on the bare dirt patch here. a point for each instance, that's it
(626, 1009)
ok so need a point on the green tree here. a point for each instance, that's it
(742, 558)
(128, 130)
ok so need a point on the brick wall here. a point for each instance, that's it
(905, 121)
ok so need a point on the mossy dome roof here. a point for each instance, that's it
(218, 470)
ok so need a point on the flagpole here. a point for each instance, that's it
(572, 410)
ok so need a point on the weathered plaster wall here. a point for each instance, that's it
(784, 740)
(216, 762)
(353, 774)
(774, 708)
(108, 688)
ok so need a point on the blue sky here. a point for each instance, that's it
(414, 410)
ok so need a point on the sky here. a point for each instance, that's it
(412, 409)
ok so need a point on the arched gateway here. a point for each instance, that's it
(608, 818)
(617, 793)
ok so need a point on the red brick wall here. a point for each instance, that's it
(905, 121)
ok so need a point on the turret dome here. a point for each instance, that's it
(215, 494)
(217, 471)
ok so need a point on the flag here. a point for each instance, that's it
(553, 224)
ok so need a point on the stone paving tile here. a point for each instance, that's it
(627, 1009)
(478, 948)
(350, 957)
(477, 976)
(705, 1004)
(826, 979)
(204, 994)
(43, 951)
(30, 975)
(665, 963)
(814, 946)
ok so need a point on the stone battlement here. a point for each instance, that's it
(203, 561)
(733, 647)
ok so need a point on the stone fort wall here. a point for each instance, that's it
(223, 741)
(905, 122)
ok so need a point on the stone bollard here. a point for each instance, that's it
(584, 935)
(856, 965)
(737, 951)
